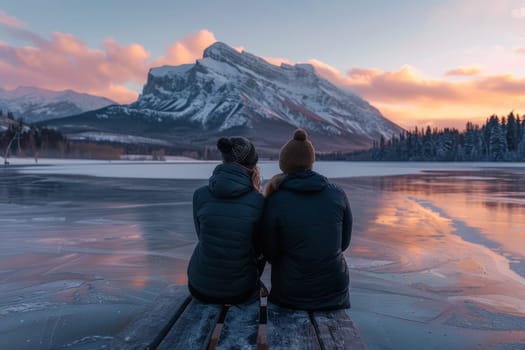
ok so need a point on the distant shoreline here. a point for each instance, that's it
(192, 169)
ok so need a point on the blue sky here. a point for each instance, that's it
(423, 54)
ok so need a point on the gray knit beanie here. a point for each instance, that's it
(238, 149)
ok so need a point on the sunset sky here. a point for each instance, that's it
(432, 62)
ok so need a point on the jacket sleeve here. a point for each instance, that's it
(347, 223)
(257, 233)
(195, 218)
(269, 234)
(257, 241)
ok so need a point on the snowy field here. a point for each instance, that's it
(187, 168)
(436, 258)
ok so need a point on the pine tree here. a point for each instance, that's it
(428, 148)
(498, 139)
(521, 144)
(520, 125)
(497, 143)
(512, 134)
(469, 145)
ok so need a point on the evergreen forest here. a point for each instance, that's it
(498, 139)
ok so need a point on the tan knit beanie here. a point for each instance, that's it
(298, 154)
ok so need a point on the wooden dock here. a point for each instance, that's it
(177, 321)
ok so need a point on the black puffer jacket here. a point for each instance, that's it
(306, 226)
(227, 213)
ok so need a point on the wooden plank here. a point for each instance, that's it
(147, 330)
(336, 330)
(290, 329)
(194, 327)
(240, 328)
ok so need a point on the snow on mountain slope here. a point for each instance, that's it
(228, 92)
(227, 88)
(35, 104)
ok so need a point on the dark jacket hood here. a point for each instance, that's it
(230, 180)
(305, 181)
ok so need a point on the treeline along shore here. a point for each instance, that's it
(498, 139)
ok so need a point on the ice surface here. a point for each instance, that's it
(128, 139)
(434, 260)
(191, 169)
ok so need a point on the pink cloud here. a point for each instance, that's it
(124, 63)
(409, 98)
(9, 21)
(187, 50)
(66, 62)
(404, 95)
(519, 13)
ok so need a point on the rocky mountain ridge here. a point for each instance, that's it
(236, 93)
(35, 105)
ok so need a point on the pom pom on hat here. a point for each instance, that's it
(224, 145)
(299, 135)
(298, 154)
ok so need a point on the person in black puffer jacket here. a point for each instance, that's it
(306, 226)
(227, 212)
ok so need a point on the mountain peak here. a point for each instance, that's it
(219, 50)
(38, 104)
(228, 91)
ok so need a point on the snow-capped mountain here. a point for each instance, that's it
(232, 93)
(35, 104)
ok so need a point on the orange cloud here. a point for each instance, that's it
(409, 98)
(277, 61)
(464, 71)
(187, 50)
(405, 84)
(519, 50)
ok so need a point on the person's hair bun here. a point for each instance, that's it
(299, 135)
(224, 145)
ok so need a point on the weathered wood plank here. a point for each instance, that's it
(336, 330)
(240, 328)
(290, 329)
(194, 327)
(147, 330)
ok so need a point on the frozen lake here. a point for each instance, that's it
(437, 256)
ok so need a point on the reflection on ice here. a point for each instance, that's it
(436, 257)
(362, 263)
(451, 254)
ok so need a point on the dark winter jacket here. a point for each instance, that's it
(227, 213)
(306, 226)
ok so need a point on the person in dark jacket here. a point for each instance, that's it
(306, 226)
(227, 213)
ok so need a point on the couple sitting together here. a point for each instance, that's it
(301, 226)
